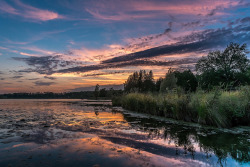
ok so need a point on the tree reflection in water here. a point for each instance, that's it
(209, 140)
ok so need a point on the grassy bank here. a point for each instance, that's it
(217, 108)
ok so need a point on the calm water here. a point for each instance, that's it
(92, 133)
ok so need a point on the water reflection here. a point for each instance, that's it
(193, 140)
(83, 133)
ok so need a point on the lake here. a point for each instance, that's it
(93, 133)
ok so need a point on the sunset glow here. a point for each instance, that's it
(60, 46)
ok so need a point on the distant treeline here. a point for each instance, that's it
(103, 94)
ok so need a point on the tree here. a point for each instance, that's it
(223, 67)
(103, 92)
(140, 82)
(96, 93)
(148, 83)
(186, 80)
(169, 82)
(158, 84)
(111, 92)
(131, 85)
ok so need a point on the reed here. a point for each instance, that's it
(218, 107)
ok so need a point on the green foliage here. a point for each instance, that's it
(179, 98)
(148, 82)
(186, 80)
(169, 82)
(217, 108)
(228, 67)
(140, 82)
(222, 108)
(139, 102)
(144, 82)
(207, 106)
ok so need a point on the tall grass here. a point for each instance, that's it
(217, 108)
(145, 103)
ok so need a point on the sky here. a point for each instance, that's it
(66, 45)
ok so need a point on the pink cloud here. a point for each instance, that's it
(3, 48)
(193, 7)
(95, 56)
(28, 12)
(141, 9)
(38, 50)
(4, 7)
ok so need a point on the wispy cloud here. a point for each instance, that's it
(119, 16)
(34, 38)
(37, 50)
(45, 64)
(104, 73)
(118, 10)
(51, 78)
(3, 48)
(28, 12)
(17, 77)
(33, 79)
(41, 83)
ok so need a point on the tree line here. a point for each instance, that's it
(104, 94)
(226, 69)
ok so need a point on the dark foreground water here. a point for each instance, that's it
(92, 133)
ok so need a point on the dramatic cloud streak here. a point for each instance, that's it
(46, 64)
(196, 42)
(82, 69)
(63, 45)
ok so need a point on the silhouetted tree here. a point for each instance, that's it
(131, 85)
(96, 93)
(103, 92)
(64, 95)
(111, 92)
(224, 67)
(186, 80)
(148, 83)
(140, 82)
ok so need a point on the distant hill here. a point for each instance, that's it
(92, 88)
